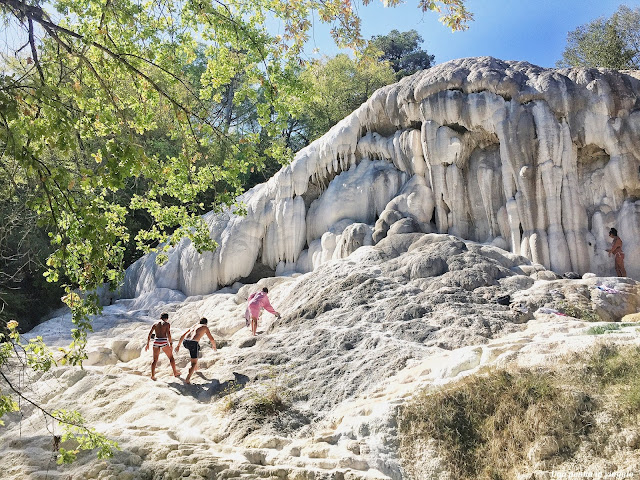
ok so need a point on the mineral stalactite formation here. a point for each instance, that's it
(541, 162)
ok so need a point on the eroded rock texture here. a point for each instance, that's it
(540, 162)
(316, 394)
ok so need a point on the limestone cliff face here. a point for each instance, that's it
(537, 161)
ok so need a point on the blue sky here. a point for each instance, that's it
(531, 30)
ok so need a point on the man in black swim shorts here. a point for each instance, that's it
(193, 347)
(190, 339)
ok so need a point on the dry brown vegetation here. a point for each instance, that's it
(501, 423)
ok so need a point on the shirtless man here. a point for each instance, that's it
(616, 251)
(190, 338)
(162, 341)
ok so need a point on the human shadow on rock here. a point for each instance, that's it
(203, 392)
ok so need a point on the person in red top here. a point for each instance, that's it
(255, 303)
(616, 251)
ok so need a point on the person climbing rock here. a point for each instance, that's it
(162, 341)
(255, 303)
(191, 339)
(616, 251)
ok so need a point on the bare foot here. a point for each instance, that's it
(176, 374)
(153, 378)
(188, 382)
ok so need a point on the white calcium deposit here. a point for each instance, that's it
(415, 243)
(538, 161)
(357, 338)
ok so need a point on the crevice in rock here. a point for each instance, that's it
(445, 207)
(591, 154)
(312, 193)
(456, 127)
(260, 271)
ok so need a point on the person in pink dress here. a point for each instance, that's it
(255, 303)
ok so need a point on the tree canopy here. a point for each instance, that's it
(605, 42)
(402, 50)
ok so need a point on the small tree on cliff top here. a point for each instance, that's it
(402, 50)
(605, 42)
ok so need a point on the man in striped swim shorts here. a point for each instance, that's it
(162, 341)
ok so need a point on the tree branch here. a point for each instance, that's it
(38, 15)
(34, 51)
(46, 412)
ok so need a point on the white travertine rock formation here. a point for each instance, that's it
(358, 337)
(537, 161)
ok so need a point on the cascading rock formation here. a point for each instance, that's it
(540, 162)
